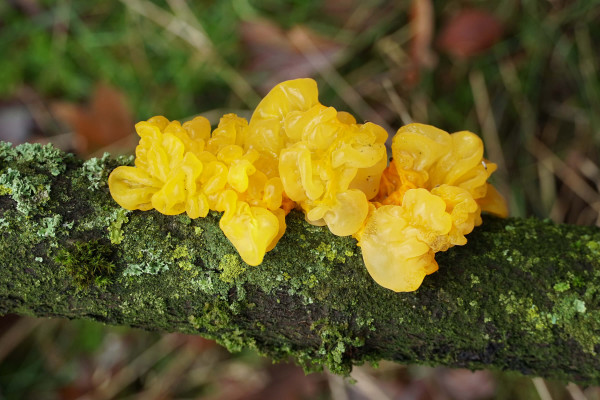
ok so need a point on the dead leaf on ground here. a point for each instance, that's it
(469, 33)
(197, 344)
(105, 121)
(284, 55)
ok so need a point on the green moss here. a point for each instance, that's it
(579, 323)
(119, 217)
(334, 344)
(232, 267)
(5, 190)
(594, 248)
(88, 263)
(216, 321)
(182, 255)
(479, 308)
(181, 252)
(327, 251)
(184, 219)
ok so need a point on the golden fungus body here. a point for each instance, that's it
(437, 186)
(297, 153)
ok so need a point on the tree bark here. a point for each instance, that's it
(522, 295)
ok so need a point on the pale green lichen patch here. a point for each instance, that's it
(6, 150)
(96, 172)
(151, 262)
(579, 306)
(49, 226)
(30, 192)
(44, 158)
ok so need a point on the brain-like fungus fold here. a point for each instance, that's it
(183, 168)
(297, 153)
(437, 185)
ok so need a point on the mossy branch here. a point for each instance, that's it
(522, 295)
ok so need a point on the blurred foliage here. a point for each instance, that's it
(538, 82)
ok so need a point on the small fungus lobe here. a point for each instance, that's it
(297, 153)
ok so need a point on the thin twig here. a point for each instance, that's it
(542, 389)
(346, 92)
(485, 115)
(194, 35)
(565, 173)
(110, 388)
(575, 392)
(397, 102)
(366, 384)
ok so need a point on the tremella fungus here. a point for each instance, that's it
(297, 153)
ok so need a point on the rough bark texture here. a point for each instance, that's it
(522, 295)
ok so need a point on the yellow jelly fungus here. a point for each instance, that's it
(330, 167)
(437, 185)
(265, 133)
(183, 168)
(250, 229)
(297, 153)
(398, 242)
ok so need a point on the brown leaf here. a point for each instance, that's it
(106, 120)
(470, 32)
(198, 344)
(283, 55)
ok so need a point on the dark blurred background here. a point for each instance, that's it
(79, 74)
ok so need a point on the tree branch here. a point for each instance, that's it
(522, 295)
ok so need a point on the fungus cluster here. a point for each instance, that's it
(297, 153)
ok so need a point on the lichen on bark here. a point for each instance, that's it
(522, 295)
